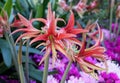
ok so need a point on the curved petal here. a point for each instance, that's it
(18, 30)
(46, 54)
(38, 38)
(39, 19)
(24, 20)
(70, 24)
(52, 25)
(60, 19)
(50, 14)
(77, 31)
(61, 49)
(29, 35)
(65, 35)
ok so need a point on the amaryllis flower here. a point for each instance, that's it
(55, 37)
(70, 43)
(25, 26)
(63, 4)
(95, 51)
(3, 22)
(92, 5)
(80, 8)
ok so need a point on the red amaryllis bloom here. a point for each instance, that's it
(70, 43)
(95, 51)
(26, 27)
(56, 38)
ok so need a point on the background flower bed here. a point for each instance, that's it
(38, 8)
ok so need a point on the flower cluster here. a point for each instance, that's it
(113, 49)
(81, 6)
(55, 39)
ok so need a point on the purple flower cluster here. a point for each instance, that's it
(109, 78)
(113, 49)
(60, 66)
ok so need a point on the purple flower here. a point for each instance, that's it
(73, 71)
(114, 26)
(108, 78)
(113, 49)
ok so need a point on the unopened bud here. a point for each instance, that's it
(118, 12)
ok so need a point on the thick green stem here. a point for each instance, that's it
(21, 72)
(115, 28)
(45, 73)
(111, 14)
(27, 62)
(66, 72)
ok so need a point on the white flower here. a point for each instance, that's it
(51, 79)
(112, 67)
(87, 78)
(74, 79)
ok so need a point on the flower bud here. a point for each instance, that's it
(118, 12)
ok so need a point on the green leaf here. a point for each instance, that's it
(39, 9)
(30, 61)
(38, 74)
(31, 50)
(6, 53)
(7, 7)
(35, 73)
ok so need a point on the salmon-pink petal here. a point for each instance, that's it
(91, 65)
(60, 19)
(61, 49)
(70, 24)
(38, 38)
(52, 25)
(49, 13)
(83, 45)
(41, 44)
(77, 31)
(24, 21)
(47, 53)
(39, 19)
(91, 26)
(29, 35)
(85, 68)
(54, 54)
(100, 38)
(76, 41)
(97, 50)
(18, 30)
(65, 35)
(16, 23)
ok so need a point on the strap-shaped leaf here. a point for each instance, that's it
(7, 7)
(6, 53)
